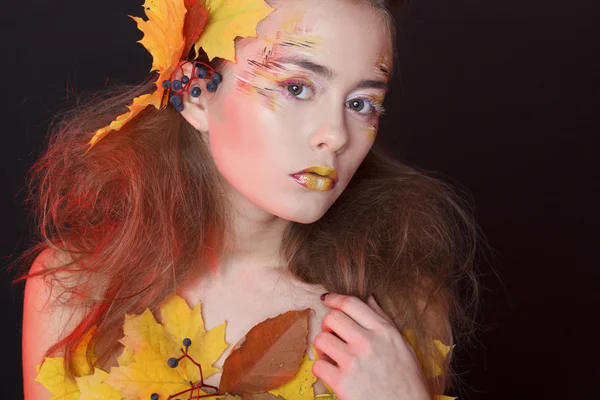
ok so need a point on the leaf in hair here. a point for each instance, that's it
(229, 19)
(195, 21)
(164, 40)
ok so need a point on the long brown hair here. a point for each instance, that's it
(141, 212)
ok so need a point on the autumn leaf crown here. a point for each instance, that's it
(172, 29)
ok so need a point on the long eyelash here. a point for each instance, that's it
(378, 106)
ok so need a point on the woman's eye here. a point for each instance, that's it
(299, 90)
(359, 105)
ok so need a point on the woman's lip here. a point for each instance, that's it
(314, 182)
(330, 173)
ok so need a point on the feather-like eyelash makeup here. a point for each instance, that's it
(376, 102)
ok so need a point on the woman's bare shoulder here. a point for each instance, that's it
(46, 318)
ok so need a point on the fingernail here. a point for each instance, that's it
(324, 296)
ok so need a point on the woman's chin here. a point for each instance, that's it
(302, 216)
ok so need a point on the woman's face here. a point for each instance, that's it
(306, 92)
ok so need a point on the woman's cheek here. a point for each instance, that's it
(371, 129)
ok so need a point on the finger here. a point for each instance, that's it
(372, 302)
(326, 372)
(320, 354)
(358, 310)
(333, 347)
(340, 324)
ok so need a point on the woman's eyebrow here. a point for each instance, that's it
(326, 71)
(306, 64)
(372, 84)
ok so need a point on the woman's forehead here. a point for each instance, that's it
(328, 31)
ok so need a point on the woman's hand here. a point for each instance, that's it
(373, 359)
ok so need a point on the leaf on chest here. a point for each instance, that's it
(267, 357)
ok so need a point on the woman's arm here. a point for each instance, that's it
(45, 322)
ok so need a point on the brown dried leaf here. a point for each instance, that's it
(268, 356)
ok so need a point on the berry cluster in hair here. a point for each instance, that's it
(187, 84)
(197, 387)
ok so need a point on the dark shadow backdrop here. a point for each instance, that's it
(498, 97)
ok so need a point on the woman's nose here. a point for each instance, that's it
(332, 135)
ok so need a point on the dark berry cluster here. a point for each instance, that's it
(185, 84)
(173, 362)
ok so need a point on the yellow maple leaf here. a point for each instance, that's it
(163, 38)
(146, 338)
(182, 322)
(143, 367)
(227, 20)
(93, 387)
(126, 357)
(142, 379)
(51, 374)
(409, 336)
(80, 364)
(300, 387)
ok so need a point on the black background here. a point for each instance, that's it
(496, 96)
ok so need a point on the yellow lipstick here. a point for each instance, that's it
(317, 178)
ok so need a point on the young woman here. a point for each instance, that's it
(263, 193)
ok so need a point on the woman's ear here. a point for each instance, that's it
(194, 108)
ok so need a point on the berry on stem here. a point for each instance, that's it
(211, 86)
(176, 85)
(201, 72)
(217, 78)
(175, 100)
(196, 91)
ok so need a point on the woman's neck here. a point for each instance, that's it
(254, 238)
